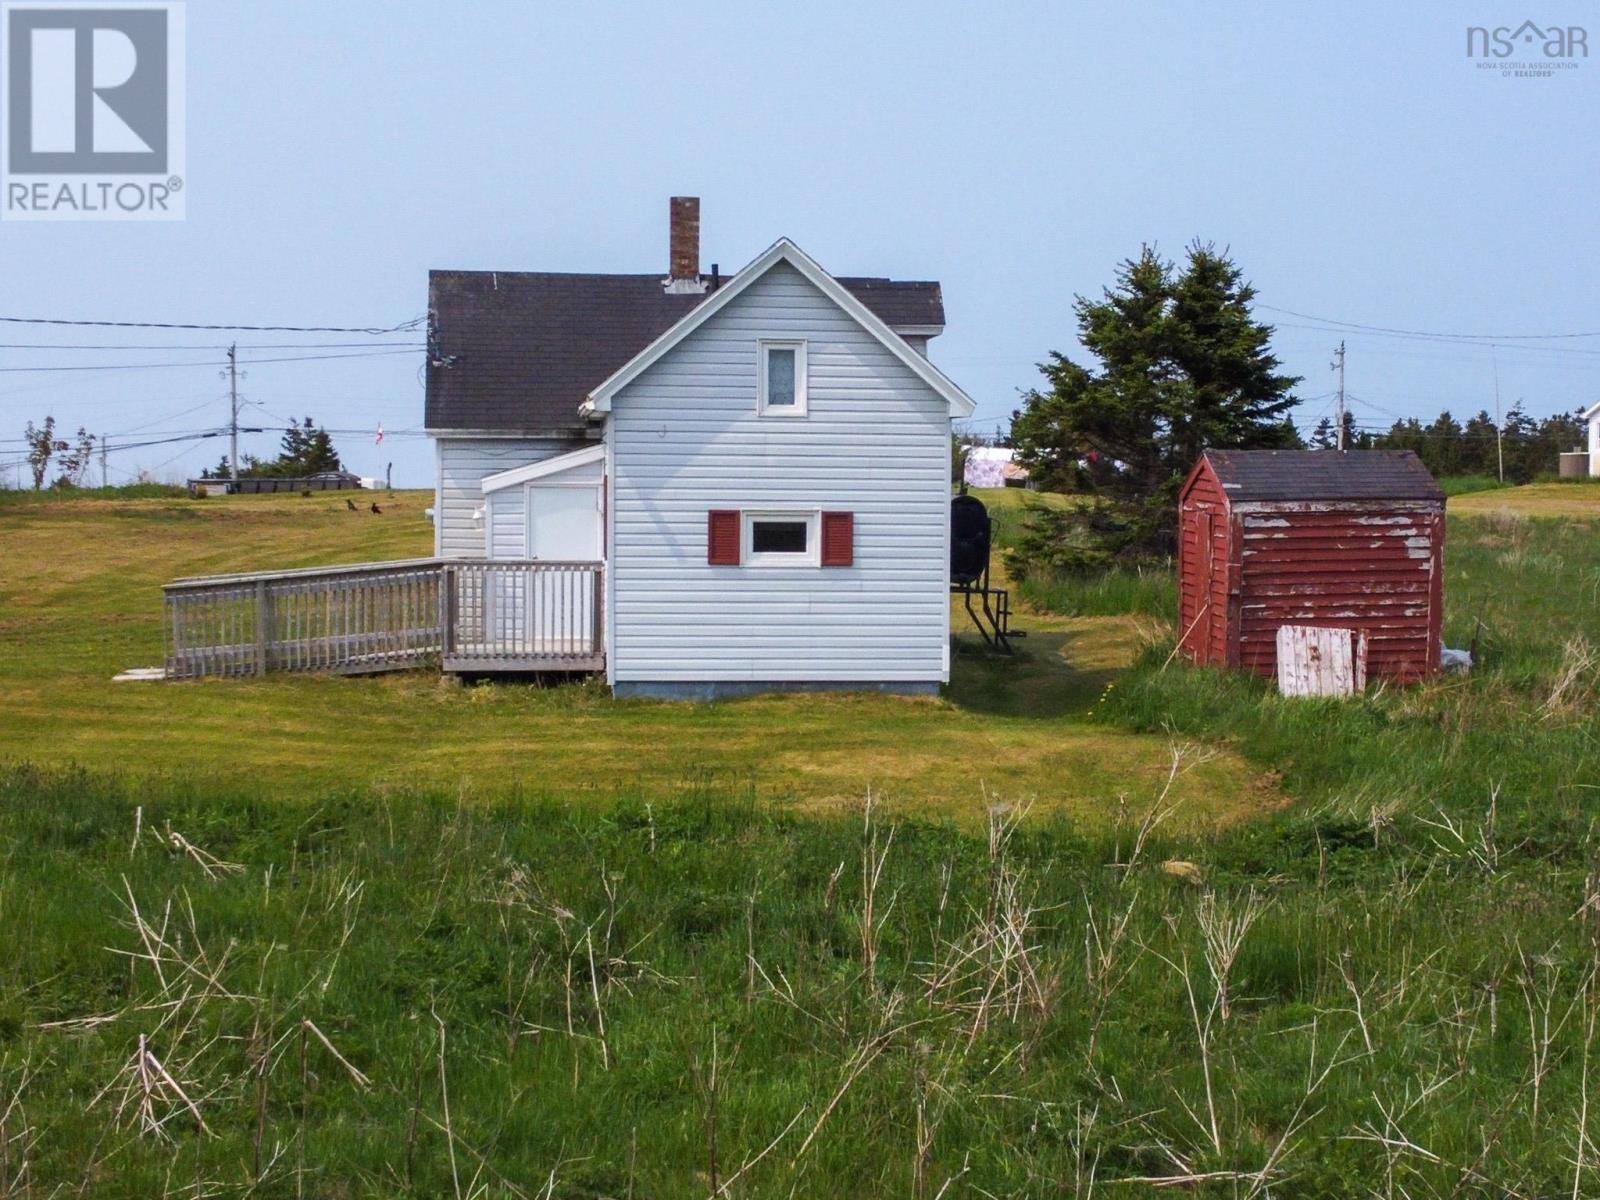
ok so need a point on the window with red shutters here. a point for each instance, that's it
(838, 539)
(722, 537)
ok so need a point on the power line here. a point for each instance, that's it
(1480, 337)
(403, 327)
(1441, 340)
(206, 349)
(211, 363)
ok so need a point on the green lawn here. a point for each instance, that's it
(80, 600)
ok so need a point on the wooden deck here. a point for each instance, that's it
(461, 616)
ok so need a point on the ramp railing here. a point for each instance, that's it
(469, 616)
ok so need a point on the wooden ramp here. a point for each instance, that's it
(473, 617)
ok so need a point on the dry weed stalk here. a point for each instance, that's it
(862, 1057)
(17, 1137)
(1481, 848)
(932, 1098)
(210, 865)
(1574, 686)
(1583, 1154)
(1105, 965)
(1223, 930)
(1182, 757)
(873, 858)
(1540, 981)
(152, 1094)
(992, 969)
(519, 898)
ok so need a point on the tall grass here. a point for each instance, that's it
(401, 995)
(1463, 485)
(1145, 590)
(1525, 595)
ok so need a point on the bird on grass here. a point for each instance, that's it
(375, 507)
(350, 504)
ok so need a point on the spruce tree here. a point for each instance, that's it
(1180, 366)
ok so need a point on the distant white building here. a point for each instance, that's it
(1592, 416)
(992, 467)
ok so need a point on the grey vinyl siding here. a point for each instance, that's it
(463, 464)
(875, 442)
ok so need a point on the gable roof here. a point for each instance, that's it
(1592, 411)
(522, 350)
(1322, 475)
(783, 250)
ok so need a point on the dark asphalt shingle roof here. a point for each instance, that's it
(520, 350)
(1323, 475)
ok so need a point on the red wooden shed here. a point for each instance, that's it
(1351, 540)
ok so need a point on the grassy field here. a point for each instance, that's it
(1572, 499)
(229, 973)
(80, 601)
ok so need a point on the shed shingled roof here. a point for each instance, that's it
(520, 350)
(1323, 475)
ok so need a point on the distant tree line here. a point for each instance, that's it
(1448, 447)
(306, 449)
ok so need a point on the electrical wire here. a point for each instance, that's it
(221, 363)
(403, 327)
(1474, 337)
(208, 349)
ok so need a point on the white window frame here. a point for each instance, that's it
(798, 408)
(773, 558)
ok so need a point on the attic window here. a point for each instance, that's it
(781, 380)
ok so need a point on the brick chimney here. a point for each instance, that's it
(684, 275)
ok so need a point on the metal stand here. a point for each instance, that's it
(994, 621)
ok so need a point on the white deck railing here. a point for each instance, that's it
(461, 615)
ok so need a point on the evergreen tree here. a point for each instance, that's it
(1442, 450)
(1478, 445)
(1181, 365)
(1323, 437)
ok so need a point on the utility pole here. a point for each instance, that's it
(1499, 435)
(1339, 364)
(105, 478)
(233, 401)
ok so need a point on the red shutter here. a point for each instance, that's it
(838, 539)
(722, 538)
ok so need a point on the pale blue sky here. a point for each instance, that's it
(1355, 162)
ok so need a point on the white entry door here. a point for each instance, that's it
(563, 526)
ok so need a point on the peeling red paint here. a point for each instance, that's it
(1247, 567)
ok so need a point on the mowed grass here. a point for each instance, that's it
(1576, 498)
(80, 600)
